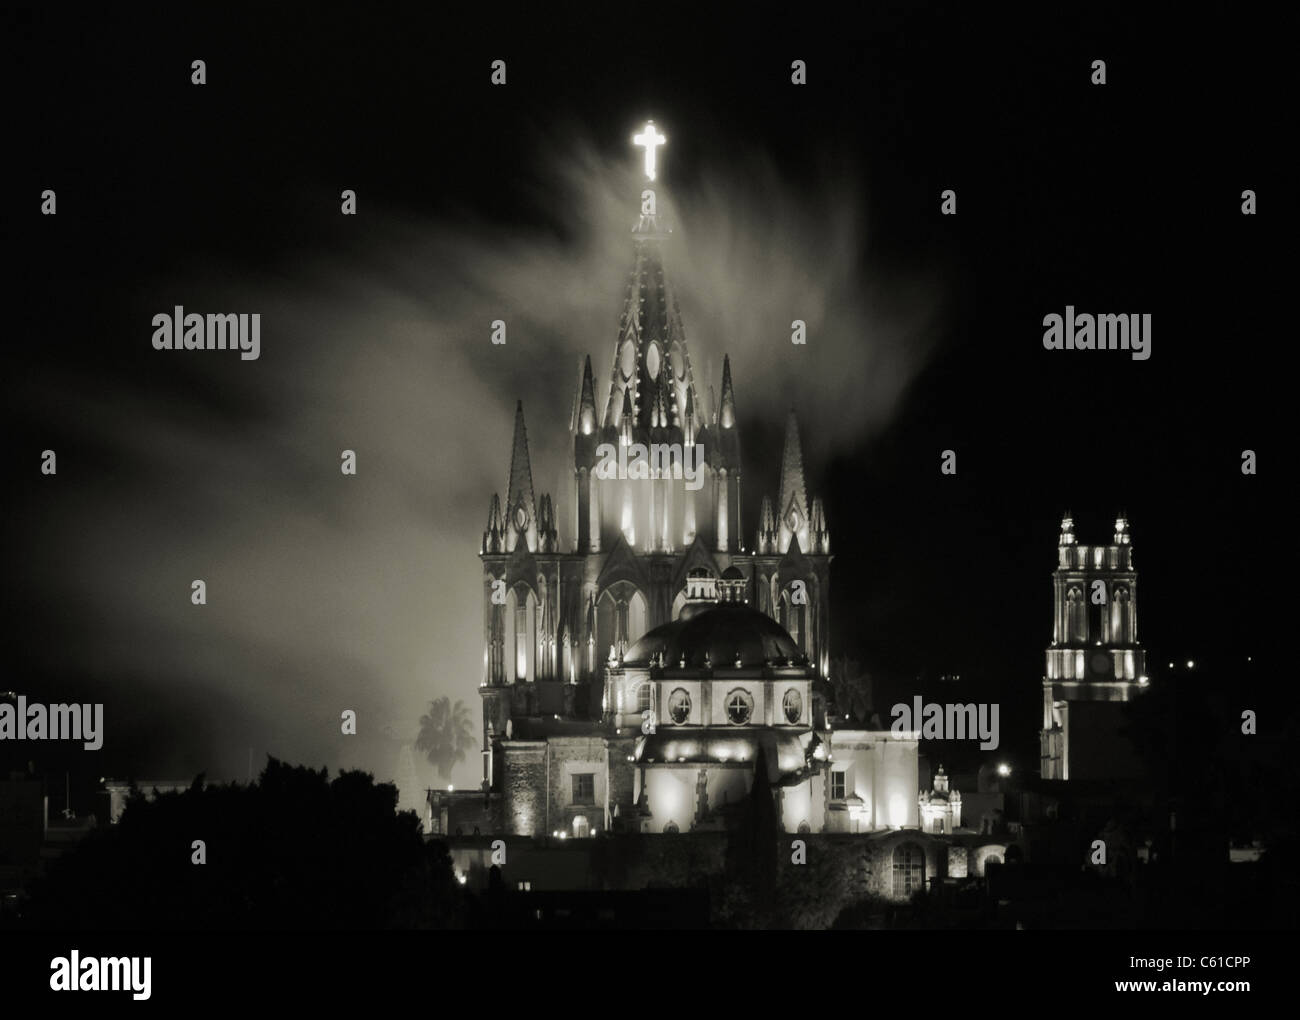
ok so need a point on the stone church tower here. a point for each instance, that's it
(657, 498)
(1094, 660)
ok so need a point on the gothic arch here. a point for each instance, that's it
(622, 617)
(1076, 618)
(520, 633)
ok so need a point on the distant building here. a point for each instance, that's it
(119, 790)
(940, 807)
(1094, 663)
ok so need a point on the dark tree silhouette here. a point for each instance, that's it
(293, 850)
(850, 689)
(749, 879)
(446, 734)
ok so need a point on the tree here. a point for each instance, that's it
(446, 734)
(850, 689)
(749, 880)
(295, 850)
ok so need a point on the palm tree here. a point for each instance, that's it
(446, 734)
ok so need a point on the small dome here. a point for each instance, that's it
(722, 632)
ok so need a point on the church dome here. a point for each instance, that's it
(721, 632)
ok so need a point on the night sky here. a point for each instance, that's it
(476, 203)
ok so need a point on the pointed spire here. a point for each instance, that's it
(821, 534)
(586, 423)
(521, 506)
(727, 411)
(766, 528)
(545, 524)
(492, 536)
(793, 495)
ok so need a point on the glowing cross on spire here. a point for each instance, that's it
(651, 139)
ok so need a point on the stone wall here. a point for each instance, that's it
(523, 787)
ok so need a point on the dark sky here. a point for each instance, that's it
(477, 203)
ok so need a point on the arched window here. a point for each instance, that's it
(671, 827)
(1119, 617)
(792, 618)
(621, 618)
(1097, 614)
(909, 869)
(644, 697)
(1076, 623)
(804, 828)
(521, 634)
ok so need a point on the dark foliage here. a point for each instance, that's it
(293, 850)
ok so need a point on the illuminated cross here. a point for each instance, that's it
(651, 139)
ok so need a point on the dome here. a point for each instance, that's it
(721, 631)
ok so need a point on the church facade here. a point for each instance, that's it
(647, 658)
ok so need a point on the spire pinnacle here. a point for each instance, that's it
(727, 409)
(586, 423)
(521, 507)
(793, 497)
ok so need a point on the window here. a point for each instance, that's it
(679, 706)
(671, 827)
(793, 704)
(740, 706)
(643, 694)
(584, 788)
(838, 784)
(804, 828)
(909, 869)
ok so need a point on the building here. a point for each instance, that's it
(1094, 663)
(640, 657)
(940, 808)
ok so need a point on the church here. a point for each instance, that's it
(647, 659)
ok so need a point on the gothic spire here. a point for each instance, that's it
(792, 499)
(766, 527)
(727, 409)
(492, 536)
(650, 351)
(585, 420)
(521, 506)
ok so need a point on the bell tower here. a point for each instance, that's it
(1094, 655)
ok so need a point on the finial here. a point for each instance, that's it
(650, 139)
